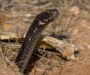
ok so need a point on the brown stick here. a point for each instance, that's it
(66, 49)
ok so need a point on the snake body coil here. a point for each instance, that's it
(33, 34)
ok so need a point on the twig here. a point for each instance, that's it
(66, 49)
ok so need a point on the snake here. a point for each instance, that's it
(40, 22)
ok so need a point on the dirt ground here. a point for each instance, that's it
(73, 22)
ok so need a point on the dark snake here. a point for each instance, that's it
(32, 36)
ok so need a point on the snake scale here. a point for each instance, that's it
(39, 24)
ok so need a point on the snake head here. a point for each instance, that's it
(47, 16)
